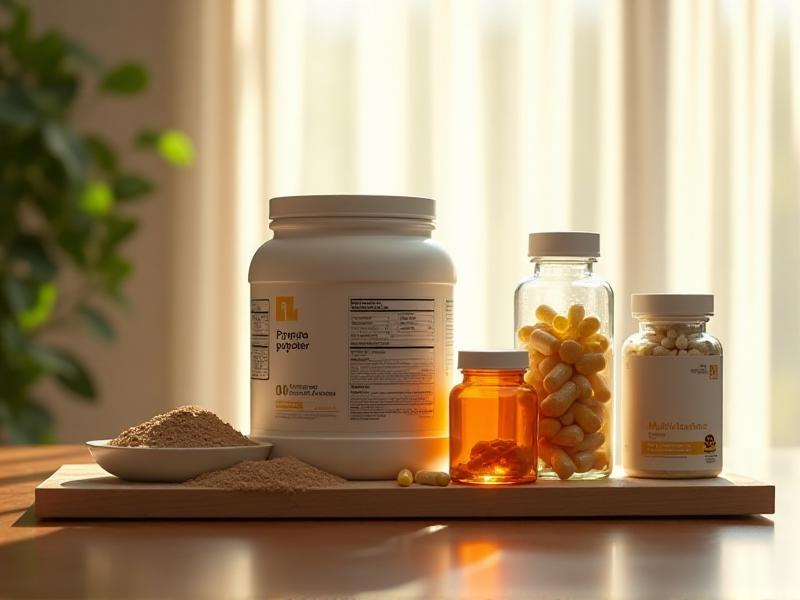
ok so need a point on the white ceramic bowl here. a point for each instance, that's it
(170, 464)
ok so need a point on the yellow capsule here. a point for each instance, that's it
(545, 451)
(584, 386)
(586, 418)
(583, 461)
(568, 418)
(591, 441)
(595, 406)
(570, 351)
(547, 363)
(545, 313)
(405, 478)
(524, 332)
(545, 327)
(557, 377)
(600, 387)
(548, 427)
(533, 374)
(599, 339)
(534, 358)
(562, 463)
(592, 347)
(544, 342)
(556, 403)
(589, 363)
(600, 460)
(560, 324)
(571, 435)
(589, 326)
(432, 478)
(575, 315)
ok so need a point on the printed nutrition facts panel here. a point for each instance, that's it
(392, 359)
(259, 339)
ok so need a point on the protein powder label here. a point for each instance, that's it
(673, 406)
(350, 358)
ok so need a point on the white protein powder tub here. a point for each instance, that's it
(351, 335)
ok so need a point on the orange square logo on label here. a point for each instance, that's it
(713, 371)
(284, 308)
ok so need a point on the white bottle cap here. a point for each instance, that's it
(346, 205)
(493, 359)
(563, 243)
(672, 305)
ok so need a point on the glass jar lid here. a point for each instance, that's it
(501, 360)
(672, 305)
(564, 243)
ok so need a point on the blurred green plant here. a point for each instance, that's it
(64, 196)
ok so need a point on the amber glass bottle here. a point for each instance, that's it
(493, 420)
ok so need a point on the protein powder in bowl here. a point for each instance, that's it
(351, 335)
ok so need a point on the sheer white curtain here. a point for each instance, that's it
(670, 127)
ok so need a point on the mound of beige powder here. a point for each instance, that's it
(285, 474)
(184, 427)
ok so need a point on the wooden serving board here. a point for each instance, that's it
(86, 491)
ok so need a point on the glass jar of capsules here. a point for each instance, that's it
(493, 420)
(564, 316)
(672, 389)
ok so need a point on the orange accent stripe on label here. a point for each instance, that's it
(672, 448)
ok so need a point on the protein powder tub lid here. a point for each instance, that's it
(672, 305)
(493, 359)
(404, 207)
(564, 243)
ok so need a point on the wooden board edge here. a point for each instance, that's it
(53, 503)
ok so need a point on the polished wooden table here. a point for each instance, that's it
(755, 557)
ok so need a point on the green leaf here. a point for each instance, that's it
(18, 35)
(114, 270)
(147, 138)
(19, 294)
(129, 187)
(32, 250)
(82, 56)
(97, 322)
(55, 97)
(28, 423)
(69, 151)
(17, 109)
(176, 148)
(102, 154)
(40, 312)
(69, 371)
(118, 230)
(128, 78)
(46, 53)
(97, 199)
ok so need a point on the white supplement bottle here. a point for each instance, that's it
(672, 389)
(351, 335)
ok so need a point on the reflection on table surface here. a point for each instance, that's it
(731, 557)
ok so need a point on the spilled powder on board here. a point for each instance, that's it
(184, 427)
(284, 474)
